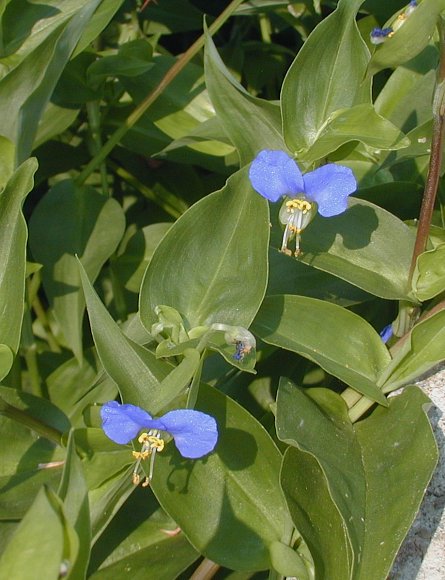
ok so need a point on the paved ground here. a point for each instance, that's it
(422, 556)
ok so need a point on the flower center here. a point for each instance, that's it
(296, 214)
(151, 443)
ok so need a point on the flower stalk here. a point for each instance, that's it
(432, 182)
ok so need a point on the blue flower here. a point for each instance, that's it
(274, 174)
(195, 433)
(386, 333)
(379, 35)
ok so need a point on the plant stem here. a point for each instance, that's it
(93, 112)
(155, 93)
(30, 422)
(432, 182)
(206, 570)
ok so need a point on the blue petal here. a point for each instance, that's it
(329, 186)
(386, 333)
(121, 423)
(195, 433)
(274, 174)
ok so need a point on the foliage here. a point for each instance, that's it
(141, 261)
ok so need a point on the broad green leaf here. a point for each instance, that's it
(421, 351)
(327, 75)
(252, 124)
(410, 39)
(26, 90)
(13, 237)
(406, 97)
(54, 121)
(212, 264)
(429, 276)
(351, 476)
(41, 543)
(71, 221)
(316, 422)
(26, 463)
(295, 277)
(398, 446)
(133, 258)
(74, 494)
(366, 246)
(287, 562)
(315, 513)
(229, 504)
(132, 59)
(341, 342)
(6, 360)
(96, 24)
(7, 157)
(135, 370)
(360, 123)
(141, 537)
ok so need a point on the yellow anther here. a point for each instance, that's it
(298, 204)
(143, 437)
(136, 478)
(156, 442)
(146, 482)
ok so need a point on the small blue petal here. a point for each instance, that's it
(274, 174)
(329, 186)
(195, 433)
(121, 423)
(386, 333)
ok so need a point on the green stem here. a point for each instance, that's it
(93, 113)
(170, 75)
(432, 182)
(30, 422)
(351, 396)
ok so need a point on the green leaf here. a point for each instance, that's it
(13, 237)
(295, 277)
(133, 59)
(141, 537)
(340, 341)
(316, 422)
(360, 123)
(228, 504)
(41, 542)
(135, 370)
(27, 88)
(366, 246)
(74, 494)
(133, 259)
(421, 351)
(398, 446)
(72, 220)
(327, 75)
(351, 476)
(97, 23)
(410, 39)
(429, 275)
(6, 360)
(251, 123)
(212, 264)
(311, 506)
(287, 562)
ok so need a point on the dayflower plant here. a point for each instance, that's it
(274, 174)
(379, 35)
(195, 433)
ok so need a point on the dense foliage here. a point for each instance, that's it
(221, 252)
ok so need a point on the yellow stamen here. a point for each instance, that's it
(298, 204)
(151, 443)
